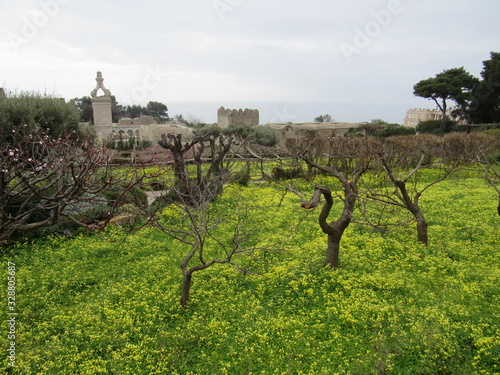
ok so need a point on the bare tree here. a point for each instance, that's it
(491, 168)
(219, 146)
(194, 220)
(346, 161)
(474, 148)
(46, 180)
(403, 159)
(211, 238)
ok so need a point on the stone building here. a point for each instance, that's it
(144, 128)
(415, 115)
(226, 117)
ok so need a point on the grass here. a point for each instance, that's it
(108, 304)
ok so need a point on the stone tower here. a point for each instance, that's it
(227, 117)
(101, 105)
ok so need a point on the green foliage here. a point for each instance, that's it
(378, 121)
(84, 105)
(209, 130)
(493, 132)
(388, 130)
(241, 132)
(485, 98)
(118, 190)
(324, 118)
(101, 305)
(435, 127)
(452, 84)
(351, 132)
(263, 135)
(242, 176)
(280, 173)
(158, 110)
(39, 110)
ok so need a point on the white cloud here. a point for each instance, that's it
(262, 51)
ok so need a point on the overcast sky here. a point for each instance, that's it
(293, 60)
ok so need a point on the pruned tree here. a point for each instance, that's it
(219, 146)
(403, 160)
(490, 165)
(346, 161)
(492, 175)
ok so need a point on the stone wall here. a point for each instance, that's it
(143, 120)
(416, 115)
(313, 130)
(226, 117)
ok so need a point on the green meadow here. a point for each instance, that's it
(108, 302)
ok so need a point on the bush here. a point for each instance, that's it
(242, 177)
(49, 113)
(393, 129)
(136, 195)
(434, 127)
(287, 173)
(212, 130)
(122, 145)
(263, 135)
(352, 133)
(240, 131)
(493, 132)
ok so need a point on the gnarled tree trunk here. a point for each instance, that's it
(335, 229)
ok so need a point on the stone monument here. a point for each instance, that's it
(101, 105)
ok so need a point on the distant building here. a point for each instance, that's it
(415, 115)
(227, 117)
(144, 128)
